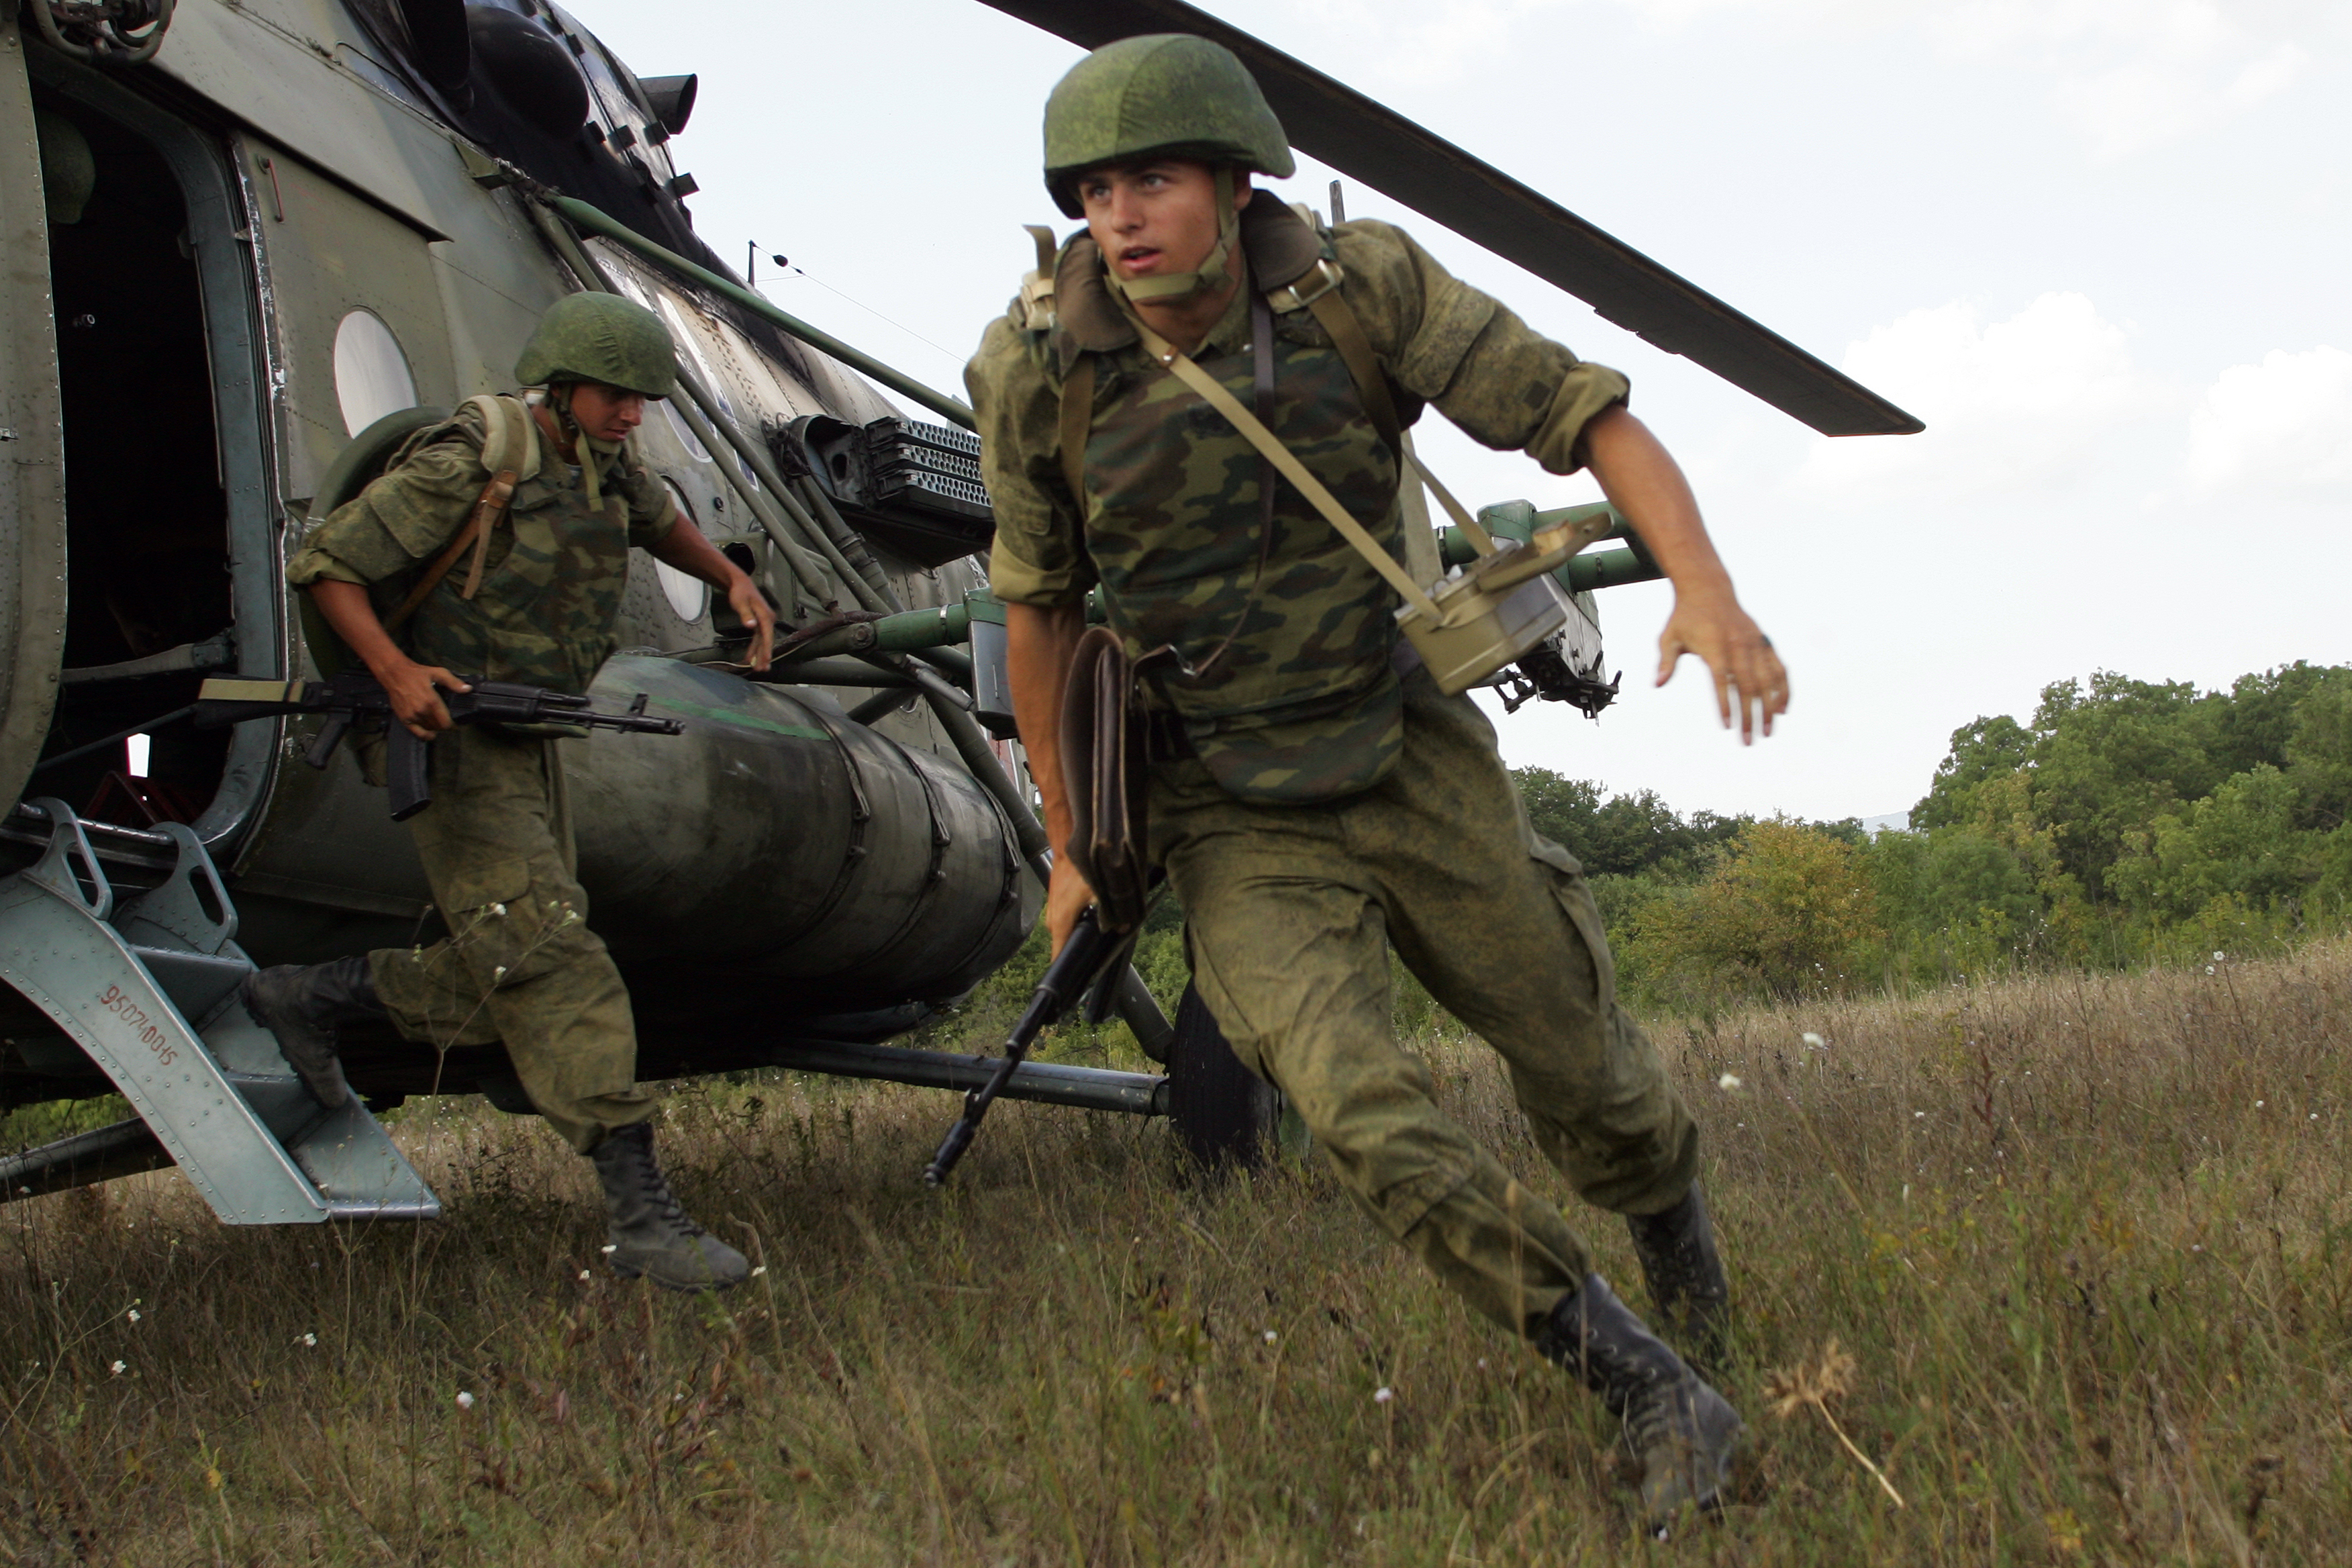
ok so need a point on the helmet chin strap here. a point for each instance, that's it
(561, 405)
(1165, 288)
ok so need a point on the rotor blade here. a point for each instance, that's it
(1379, 146)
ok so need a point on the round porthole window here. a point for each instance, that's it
(371, 377)
(688, 596)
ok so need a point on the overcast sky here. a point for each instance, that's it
(2099, 245)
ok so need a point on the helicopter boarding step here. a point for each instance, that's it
(124, 983)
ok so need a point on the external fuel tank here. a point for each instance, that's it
(775, 861)
(777, 840)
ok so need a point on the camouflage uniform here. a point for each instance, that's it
(520, 964)
(1333, 803)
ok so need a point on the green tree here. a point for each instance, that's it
(1981, 749)
(2319, 751)
(2111, 758)
(1623, 835)
(1788, 910)
(2239, 844)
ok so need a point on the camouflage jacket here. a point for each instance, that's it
(552, 580)
(1304, 706)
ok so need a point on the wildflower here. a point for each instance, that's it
(464, 1400)
(309, 1342)
(1728, 1083)
(2220, 957)
(133, 1314)
(583, 1276)
(1815, 1041)
(499, 912)
(117, 1369)
(499, 973)
(2209, 969)
(1383, 1395)
(761, 1270)
(1918, 1115)
(1815, 1384)
(2260, 1103)
(610, 1249)
(1270, 1336)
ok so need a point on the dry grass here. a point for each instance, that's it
(2086, 1240)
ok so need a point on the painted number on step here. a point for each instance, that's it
(132, 1014)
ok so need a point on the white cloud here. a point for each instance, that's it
(2023, 402)
(2282, 424)
(2130, 75)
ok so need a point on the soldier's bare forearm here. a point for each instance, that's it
(1645, 484)
(347, 609)
(413, 688)
(1038, 646)
(1641, 480)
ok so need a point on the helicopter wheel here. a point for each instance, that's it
(1225, 1114)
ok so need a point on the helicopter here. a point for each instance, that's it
(309, 228)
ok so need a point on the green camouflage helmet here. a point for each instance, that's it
(1163, 92)
(602, 338)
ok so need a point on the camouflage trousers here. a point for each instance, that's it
(1292, 910)
(520, 964)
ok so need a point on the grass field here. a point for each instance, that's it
(2087, 1240)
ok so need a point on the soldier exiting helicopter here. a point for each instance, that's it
(415, 592)
(1313, 798)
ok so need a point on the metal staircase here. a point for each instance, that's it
(214, 1094)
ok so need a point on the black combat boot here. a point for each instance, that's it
(1685, 1434)
(1684, 1272)
(304, 1006)
(650, 1232)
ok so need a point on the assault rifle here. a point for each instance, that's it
(356, 699)
(1091, 964)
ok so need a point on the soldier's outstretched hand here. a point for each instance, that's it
(1747, 674)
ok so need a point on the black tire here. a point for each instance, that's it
(1225, 1115)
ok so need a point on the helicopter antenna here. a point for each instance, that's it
(1339, 205)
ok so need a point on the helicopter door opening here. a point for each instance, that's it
(149, 606)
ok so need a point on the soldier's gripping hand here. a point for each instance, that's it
(414, 691)
(751, 607)
(1737, 655)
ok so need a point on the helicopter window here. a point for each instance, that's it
(689, 343)
(371, 377)
(689, 596)
(684, 432)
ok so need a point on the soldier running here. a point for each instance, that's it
(1313, 798)
(533, 600)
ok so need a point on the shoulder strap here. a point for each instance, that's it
(1078, 422)
(508, 443)
(1270, 447)
(1332, 313)
(1329, 305)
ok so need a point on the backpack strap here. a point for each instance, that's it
(510, 452)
